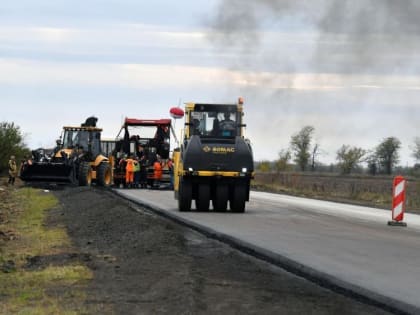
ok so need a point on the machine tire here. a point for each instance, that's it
(104, 174)
(185, 195)
(73, 174)
(85, 174)
(237, 203)
(221, 198)
(203, 200)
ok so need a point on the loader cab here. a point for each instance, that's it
(82, 139)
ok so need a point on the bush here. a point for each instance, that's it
(11, 143)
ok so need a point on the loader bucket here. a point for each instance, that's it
(48, 172)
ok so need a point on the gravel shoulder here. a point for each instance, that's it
(145, 264)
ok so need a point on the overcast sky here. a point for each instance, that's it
(350, 69)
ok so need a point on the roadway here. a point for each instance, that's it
(350, 247)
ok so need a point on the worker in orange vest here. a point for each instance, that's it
(129, 172)
(157, 167)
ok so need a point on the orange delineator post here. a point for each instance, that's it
(398, 201)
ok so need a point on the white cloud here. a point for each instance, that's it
(37, 34)
(134, 35)
(38, 73)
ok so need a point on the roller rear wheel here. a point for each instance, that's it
(185, 195)
(237, 203)
(203, 200)
(221, 198)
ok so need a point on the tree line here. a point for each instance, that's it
(303, 152)
(383, 159)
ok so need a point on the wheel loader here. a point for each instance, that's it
(76, 159)
(214, 162)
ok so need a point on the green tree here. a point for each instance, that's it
(387, 154)
(11, 143)
(349, 158)
(264, 166)
(416, 149)
(282, 163)
(301, 145)
(372, 163)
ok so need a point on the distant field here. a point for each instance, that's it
(373, 191)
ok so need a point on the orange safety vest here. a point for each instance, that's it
(130, 165)
(157, 170)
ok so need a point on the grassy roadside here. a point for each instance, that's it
(372, 191)
(47, 288)
(361, 198)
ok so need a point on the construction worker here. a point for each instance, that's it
(12, 170)
(136, 172)
(143, 169)
(227, 123)
(129, 172)
(196, 127)
(122, 165)
(161, 134)
(157, 172)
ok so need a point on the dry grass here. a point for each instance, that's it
(361, 190)
(32, 292)
(361, 198)
(51, 289)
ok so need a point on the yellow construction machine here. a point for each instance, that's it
(215, 161)
(76, 159)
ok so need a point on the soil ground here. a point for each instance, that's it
(145, 264)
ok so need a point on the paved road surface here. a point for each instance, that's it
(352, 246)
